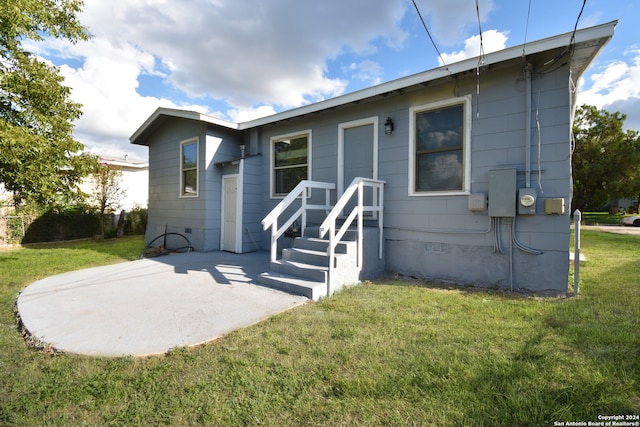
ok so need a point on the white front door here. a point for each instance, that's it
(230, 225)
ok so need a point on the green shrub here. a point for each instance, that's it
(136, 221)
(15, 228)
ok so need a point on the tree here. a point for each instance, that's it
(37, 160)
(606, 159)
(107, 193)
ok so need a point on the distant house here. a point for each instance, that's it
(459, 173)
(135, 181)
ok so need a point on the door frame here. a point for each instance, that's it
(238, 216)
(341, 129)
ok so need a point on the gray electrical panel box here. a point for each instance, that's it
(502, 192)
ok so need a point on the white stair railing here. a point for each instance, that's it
(302, 191)
(376, 206)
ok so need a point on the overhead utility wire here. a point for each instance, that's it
(428, 33)
(575, 27)
(480, 63)
(526, 30)
(480, 30)
(572, 42)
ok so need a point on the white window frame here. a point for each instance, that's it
(272, 157)
(466, 146)
(181, 192)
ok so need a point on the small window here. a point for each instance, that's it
(439, 153)
(290, 163)
(189, 168)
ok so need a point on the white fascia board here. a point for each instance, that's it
(182, 114)
(600, 32)
(604, 31)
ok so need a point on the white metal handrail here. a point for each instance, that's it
(329, 224)
(301, 191)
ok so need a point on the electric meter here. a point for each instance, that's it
(527, 201)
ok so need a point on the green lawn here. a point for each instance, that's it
(395, 352)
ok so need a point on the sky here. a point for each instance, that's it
(243, 59)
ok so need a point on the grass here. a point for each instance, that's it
(395, 352)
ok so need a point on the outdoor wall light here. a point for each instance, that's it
(388, 126)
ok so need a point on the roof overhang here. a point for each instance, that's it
(162, 114)
(581, 47)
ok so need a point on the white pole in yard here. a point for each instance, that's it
(577, 217)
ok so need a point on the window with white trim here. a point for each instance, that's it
(439, 153)
(189, 168)
(290, 161)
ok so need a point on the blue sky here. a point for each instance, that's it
(242, 59)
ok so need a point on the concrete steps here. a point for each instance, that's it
(304, 268)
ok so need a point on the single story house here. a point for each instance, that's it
(460, 173)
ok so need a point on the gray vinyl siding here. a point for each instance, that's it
(197, 218)
(434, 236)
(167, 211)
(417, 241)
(252, 211)
(414, 244)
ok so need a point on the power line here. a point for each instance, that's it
(428, 33)
(575, 27)
(480, 31)
(526, 30)
(570, 48)
(480, 63)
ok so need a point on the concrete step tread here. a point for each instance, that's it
(316, 244)
(301, 265)
(292, 279)
(307, 251)
(294, 285)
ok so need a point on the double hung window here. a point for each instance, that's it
(439, 153)
(189, 168)
(290, 161)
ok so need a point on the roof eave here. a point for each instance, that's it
(139, 136)
(601, 32)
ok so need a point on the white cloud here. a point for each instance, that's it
(105, 84)
(366, 71)
(248, 114)
(249, 52)
(250, 58)
(492, 40)
(615, 87)
(450, 20)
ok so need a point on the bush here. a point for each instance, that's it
(15, 228)
(136, 221)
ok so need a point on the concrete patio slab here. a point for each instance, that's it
(150, 306)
